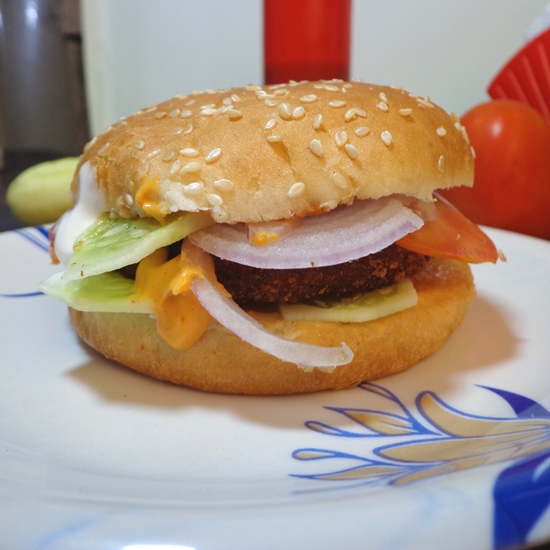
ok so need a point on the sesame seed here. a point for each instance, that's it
(336, 103)
(271, 123)
(227, 101)
(282, 92)
(296, 190)
(139, 145)
(350, 114)
(274, 139)
(425, 102)
(328, 205)
(143, 169)
(103, 148)
(382, 106)
(194, 188)
(317, 121)
(90, 143)
(175, 168)
(383, 97)
(386, 137)
(219, 214)
(284, 111)
(331, 88)
(208, 111)
(441, 163)
(213, 156)
(223, 184)
(168, 156)
(178, 131)
(153, 154)
(186, 113)
(188, 130)
(362, 131)
(298, 113)
(235, 97)
(316, 147)
(270, 103)
(175, 113)
(339, 180)
(360, 112)
(160, 115)
(189, 152)
(192, 166)
(128, 199)
(340, 138)
(310, 98)
(213, 199)
(234, 114)
(352, 152)
(405, 112)
(441, 131)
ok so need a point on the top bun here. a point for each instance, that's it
(278, 151)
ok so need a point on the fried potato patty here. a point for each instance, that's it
(250, 286)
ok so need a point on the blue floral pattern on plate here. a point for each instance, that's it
(437, 439)
(39, 237)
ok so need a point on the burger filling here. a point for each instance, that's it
(189, 270)
(255, 288)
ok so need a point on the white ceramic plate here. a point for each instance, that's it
(453, 453)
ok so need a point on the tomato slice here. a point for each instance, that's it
(451, 235)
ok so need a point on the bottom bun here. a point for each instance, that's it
(221, 362)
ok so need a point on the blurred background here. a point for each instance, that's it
(69, 68)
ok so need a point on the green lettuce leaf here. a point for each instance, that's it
(112, 243)
(111, 292)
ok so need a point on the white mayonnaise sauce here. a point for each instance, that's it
(89, 206)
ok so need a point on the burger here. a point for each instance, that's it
(271, 240)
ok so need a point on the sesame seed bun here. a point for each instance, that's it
(221, 362)
(274, 152)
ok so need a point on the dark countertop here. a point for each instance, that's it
(14, 163)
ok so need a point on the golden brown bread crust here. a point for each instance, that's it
(275, 152)
(221, 362)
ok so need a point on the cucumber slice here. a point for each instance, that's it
(112, 243)
(41, 193)
(365, 307)
(110, 292)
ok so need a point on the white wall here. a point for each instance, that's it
(139, 52)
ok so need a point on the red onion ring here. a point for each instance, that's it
(232, 317)
(345, 234)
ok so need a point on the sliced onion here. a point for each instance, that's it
(263, 233)
(345, 234)
(233, 318)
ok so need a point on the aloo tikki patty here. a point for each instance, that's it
(250, 286)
